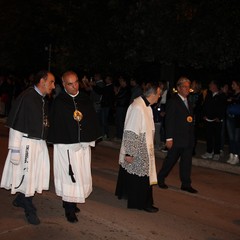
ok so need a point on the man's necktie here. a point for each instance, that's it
(186, 103)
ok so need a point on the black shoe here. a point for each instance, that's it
(189, 189)
(151, 209)
(77, 210)
(32, 217)
(71, 217)
(163, 185)
(22, 201)
(17, 203)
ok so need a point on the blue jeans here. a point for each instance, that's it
(234, 135)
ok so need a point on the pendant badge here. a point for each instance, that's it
(77, 115)
(189, 119)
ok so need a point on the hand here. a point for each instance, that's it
(169, 144)
(129, 159)
(15, 157)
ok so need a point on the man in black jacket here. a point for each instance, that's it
(214, 109)
(179, 136)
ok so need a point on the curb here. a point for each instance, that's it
(198, 162)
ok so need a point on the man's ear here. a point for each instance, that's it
(43, 82)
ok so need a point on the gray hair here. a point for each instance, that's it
(151, 88)
(182, 80)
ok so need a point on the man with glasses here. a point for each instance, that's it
(179, 136)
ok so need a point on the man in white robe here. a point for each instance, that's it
(27, 166)
(137, 171)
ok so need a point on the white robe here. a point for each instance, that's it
(33, 171)
(80, 160)
(138, 141)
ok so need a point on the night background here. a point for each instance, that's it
(149, 39)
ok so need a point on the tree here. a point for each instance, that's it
(119, 35)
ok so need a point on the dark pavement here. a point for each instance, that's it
(212, 214)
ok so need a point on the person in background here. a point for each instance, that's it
(224, 91)
(85, 84)
(165, 97)
(233, 123)
(136, 89)
(27, 167)
(157, 123)
(158, 115)
(122, 99)
(214, 108)
(179, 136)
(195, 97)
(6, 94)
(107, 94)
(97, 84)
(137, 172)
(107, 104)
(74, 130)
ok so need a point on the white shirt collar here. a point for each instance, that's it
(38, 91)
(71, 94)
(182, 97)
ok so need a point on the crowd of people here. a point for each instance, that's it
(112, 97)
(218, 110)
(148, 116)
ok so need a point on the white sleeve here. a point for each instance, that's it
(15, 138)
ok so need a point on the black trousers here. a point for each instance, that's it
(185, 165)
(135, 189)
(213, 136)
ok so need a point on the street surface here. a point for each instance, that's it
(212, 214)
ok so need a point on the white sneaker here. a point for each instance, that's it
(216, 157)
(230, 158)
(235, 160)
(207, 155)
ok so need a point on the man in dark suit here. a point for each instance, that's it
(179, 136)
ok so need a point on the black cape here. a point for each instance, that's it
(27, 114)
(64, 129)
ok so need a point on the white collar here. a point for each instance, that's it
(38, 91)
(182, 97)
(71, 94)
